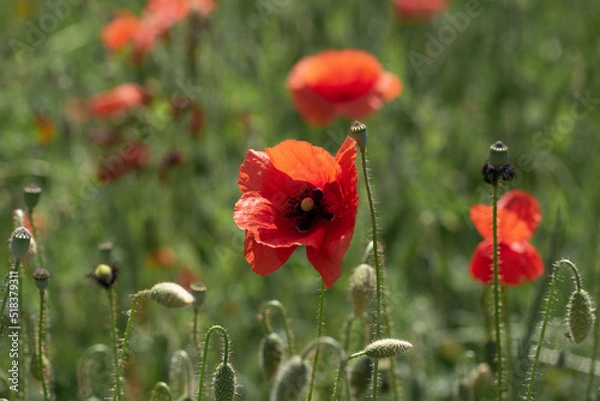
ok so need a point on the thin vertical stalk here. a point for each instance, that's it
(496, 293)
(40, 344)
(320, 314)
(114, 337)
(381, 305)
(126, 339)
(205, 356)
(596, 335)
(266, 322)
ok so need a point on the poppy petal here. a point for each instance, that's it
(265, 259)
(312, 107)
(302, 161)
(389, 86)
(327, 259)
(526, 209)
(120, 30)
(519, 262)
(481, 216)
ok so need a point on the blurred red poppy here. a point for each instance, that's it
(298, 194)
(116, 101)
(419, 10)
(161, 257)
(118, 33)
(349, 83)
(131, 157)
(518, 217)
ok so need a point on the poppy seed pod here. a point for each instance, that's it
(20, 241)
(41, 278)
(270, 354)
(387, 348)
(31, 195)
(359, 134)
(362, 285)
(198, 291)
(291, 380)
(224, 383)
(171, 295)
(498, 156)
(580, 315)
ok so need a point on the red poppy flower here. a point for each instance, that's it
(132, 156)
(419, 10)
(118, 33)
(298, 194)
(117, 100)
(519, 261)
(349, 83)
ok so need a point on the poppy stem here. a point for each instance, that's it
(538, 349)
(225, 355)
(596, 329)
(379, 274)
(320, 314)
(496, 291)
(115, 336)
(265, 319)
(40, 345)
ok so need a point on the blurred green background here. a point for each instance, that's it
(524, 72)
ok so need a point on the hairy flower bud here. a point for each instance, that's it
(270, 354)
(171, 295)
(361, 285)
(291, 380)
(387, 348)
(580, 315)
(224, 382)
(360, 375)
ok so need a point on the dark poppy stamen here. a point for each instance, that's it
(307, 208)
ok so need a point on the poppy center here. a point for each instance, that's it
(307, 208)
(307, 204)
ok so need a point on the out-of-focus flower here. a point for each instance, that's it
(518, 217)
(172, 159)
(116, 101)
(118, 33)
(419, 10)
(44, 128)
(197, 120)
(104, 137)
(349, 83)
(298, 194)
(131, 157)
(162, 257)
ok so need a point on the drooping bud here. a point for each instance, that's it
(359, 134)
(31, 195)
(171, 295)
(224, 382)
(41, 278)
(270, 354)
(387, 348)
(291, 380)
(360, 375)
(361, 285)
(198, 291)
(580, 315)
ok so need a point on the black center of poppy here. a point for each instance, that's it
(307, 208)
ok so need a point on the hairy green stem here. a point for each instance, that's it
(266, 321)
(315, 344)
(381, 304)
(496, 293)
(225, 342)
(596, 334)
(114, 336)
(320, 314)
(40, 345)
(126, 339)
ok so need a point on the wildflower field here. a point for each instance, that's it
(277, 200)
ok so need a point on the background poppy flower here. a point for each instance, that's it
(133, 156)
(518, 217)
(419, 10)
(118, 33)
(349, 83)
(298, 194)
(117, 100)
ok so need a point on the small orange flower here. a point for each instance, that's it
(349, 83)
(518, 217)
(116, 101)
(162, 257)
(419, 10)
(298, 194)
(44, 128)
(118, 33)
